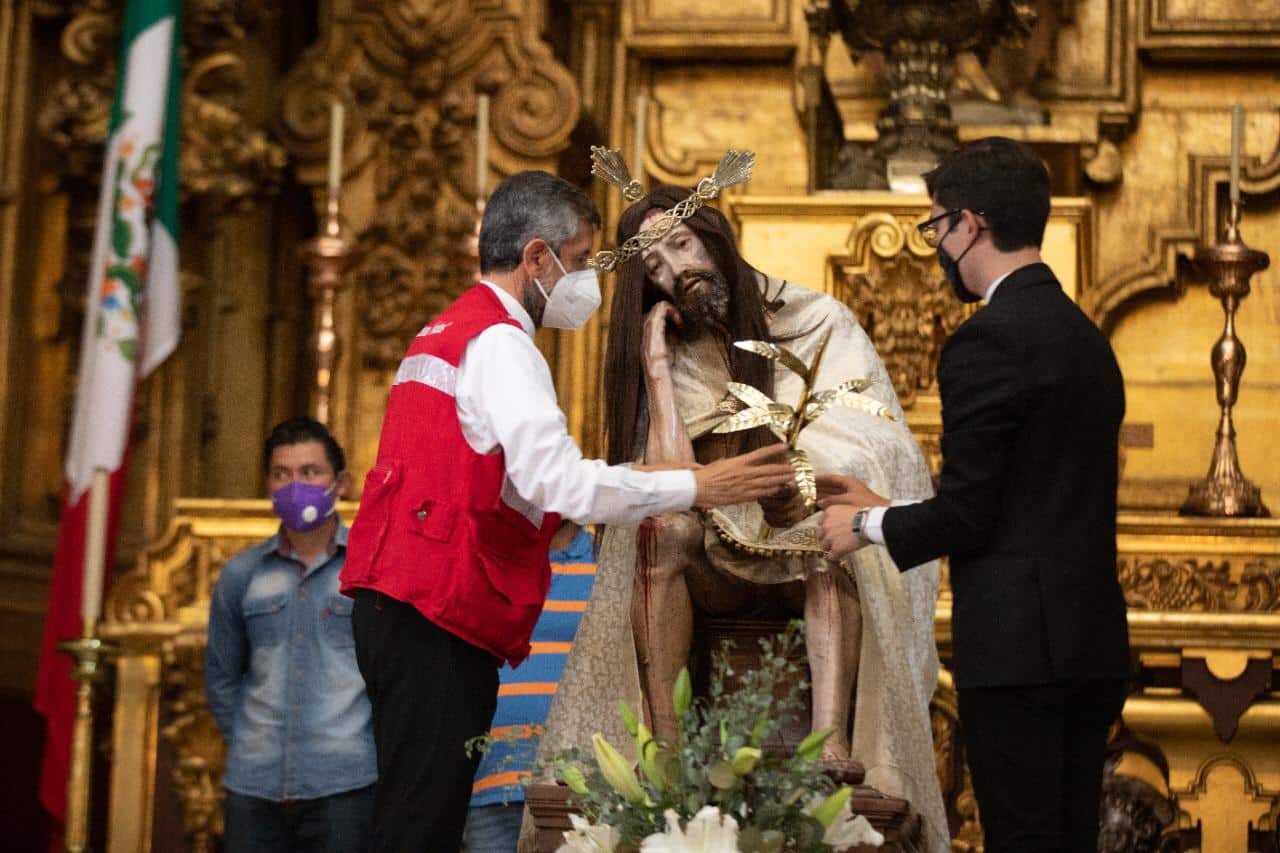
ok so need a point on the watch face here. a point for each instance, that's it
(859, 519)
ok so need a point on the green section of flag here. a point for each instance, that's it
(166, 197)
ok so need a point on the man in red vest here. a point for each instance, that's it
(447, 559)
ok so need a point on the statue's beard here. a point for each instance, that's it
(702, 298)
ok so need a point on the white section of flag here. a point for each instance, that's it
(162, 301)
(104, 395)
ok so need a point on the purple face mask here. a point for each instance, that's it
(303, 506)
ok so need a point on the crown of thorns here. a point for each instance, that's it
(607, 163)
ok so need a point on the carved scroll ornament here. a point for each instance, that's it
(892, 282)
(1158, 583)
(409, 73)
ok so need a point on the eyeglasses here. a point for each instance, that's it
(929, 228)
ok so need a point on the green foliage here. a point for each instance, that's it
(717, 759)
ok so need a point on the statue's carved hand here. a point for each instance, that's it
(657, 353)
(785, 507)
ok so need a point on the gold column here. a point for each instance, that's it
(133, 752)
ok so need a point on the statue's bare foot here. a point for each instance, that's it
(840, 766)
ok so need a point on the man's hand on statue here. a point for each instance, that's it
(838, 538)
(660, 316)
(836, 490)
(742, 478)
(784, 507)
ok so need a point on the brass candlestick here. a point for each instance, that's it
(86, 651)
(327, 257)
(473, 241)
(1228, 265)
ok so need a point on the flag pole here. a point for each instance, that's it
(87, 650)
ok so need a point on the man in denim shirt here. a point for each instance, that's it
(281, 671)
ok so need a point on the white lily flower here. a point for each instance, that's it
(587, 837)
(708, 831)
(847, 829)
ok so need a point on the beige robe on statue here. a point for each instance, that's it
(892, 735)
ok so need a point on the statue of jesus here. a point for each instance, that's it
(679, 304)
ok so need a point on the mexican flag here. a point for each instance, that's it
(130, 326)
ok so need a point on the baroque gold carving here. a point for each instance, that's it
(893, 285)
(223, 157)
(1160, 583)
(909, 313)
(953, 773)
(197, 743)
(409, 73)
(72, 119)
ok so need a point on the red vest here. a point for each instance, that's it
(440, 526)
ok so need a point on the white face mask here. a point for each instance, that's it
(575, 298)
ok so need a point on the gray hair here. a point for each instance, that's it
(527, 206)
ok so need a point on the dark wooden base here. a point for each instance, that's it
(549, 805)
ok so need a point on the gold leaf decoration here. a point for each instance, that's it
(777, 417)
(774, 352)
(806, 481)
(825, 400)
(750, 395)
(746, 419)
(786, 422)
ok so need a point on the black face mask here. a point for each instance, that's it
(951, 269)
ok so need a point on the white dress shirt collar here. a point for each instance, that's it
(991, 288)
(514, 308)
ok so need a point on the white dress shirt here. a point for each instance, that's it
(873, 527)
(505, 399)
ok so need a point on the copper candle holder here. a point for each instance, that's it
(1228, 265)
(327, 257)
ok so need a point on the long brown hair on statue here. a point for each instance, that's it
(634, 295)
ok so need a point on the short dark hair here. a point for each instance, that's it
(526, 206)
(1000, 178)
(300, 430)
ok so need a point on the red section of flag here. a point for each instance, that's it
(55, 690)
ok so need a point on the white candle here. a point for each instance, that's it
(482, 146)
(1237, 146)
(642, 112)
(336, 115)
(95, 548)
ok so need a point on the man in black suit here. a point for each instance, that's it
(1032, 400)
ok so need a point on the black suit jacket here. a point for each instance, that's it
(1032, 401)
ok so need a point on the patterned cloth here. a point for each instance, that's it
(524, 694)
(898, 669)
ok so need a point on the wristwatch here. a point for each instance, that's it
(860, 524)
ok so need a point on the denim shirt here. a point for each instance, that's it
(281, 676)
